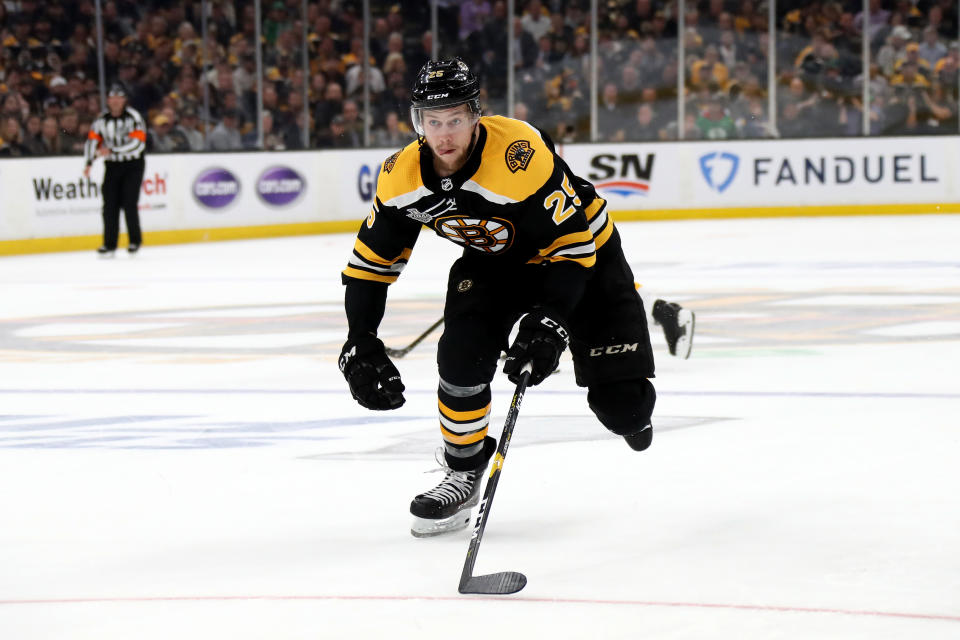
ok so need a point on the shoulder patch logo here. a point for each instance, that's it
(518, 155)
(389, 163)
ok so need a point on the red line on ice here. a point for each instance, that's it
(636, 603)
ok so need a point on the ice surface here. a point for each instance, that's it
(180, 458)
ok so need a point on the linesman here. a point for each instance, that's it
(119, 134)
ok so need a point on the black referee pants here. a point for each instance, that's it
(121, 189)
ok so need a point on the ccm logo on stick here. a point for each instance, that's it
(613, 349)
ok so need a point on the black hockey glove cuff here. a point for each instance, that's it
(374, 380)
(540, 341)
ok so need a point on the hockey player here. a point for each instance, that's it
(539, 252)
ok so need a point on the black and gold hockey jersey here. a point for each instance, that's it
(514, 202)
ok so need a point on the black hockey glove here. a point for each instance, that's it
(374, 380)
(540, 341)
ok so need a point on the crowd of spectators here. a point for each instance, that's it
(912, 78)
(202, 95)
(818, 68)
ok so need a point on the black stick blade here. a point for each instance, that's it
(495, 583)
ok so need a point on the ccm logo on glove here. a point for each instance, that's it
(373, 379)
(540, 341)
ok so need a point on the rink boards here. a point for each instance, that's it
(47, 205)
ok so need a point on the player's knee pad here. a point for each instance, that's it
(623, 407)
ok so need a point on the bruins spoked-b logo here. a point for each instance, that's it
(389, 162)
(518, 155)
(490, 236)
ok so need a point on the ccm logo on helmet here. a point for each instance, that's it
(437, 96)
(613, 349)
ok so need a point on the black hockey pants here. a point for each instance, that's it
(609, 342)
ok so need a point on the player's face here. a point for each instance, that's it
(449, 133)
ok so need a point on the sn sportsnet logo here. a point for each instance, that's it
(624, 175)
(614, 349)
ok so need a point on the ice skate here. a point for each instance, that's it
(446, 507)
(678, 326)
(105, 252)
(641, 440)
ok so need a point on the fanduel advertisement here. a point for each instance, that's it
(720, 168)
(819, 172)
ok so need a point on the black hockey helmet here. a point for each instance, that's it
(116, 89)
(441, 84)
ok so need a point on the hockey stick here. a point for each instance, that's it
(399, 353)
(505, 581)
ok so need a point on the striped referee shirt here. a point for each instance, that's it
(125, 136)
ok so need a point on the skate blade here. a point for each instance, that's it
(687, 321)
(427, 527)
